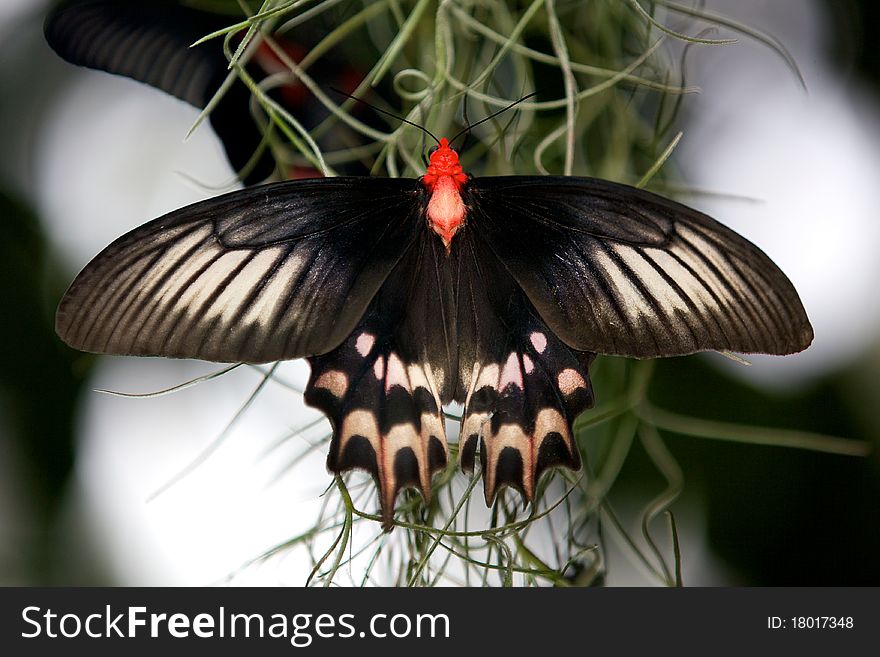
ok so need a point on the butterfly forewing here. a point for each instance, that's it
(266, 273)
(617, 270)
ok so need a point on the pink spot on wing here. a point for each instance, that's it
(511, 373)
(365, 344)
(395, 374)
(379, 367)
(539, 341)
(528, 364)
(570, 381)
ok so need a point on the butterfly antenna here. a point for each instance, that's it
(492, 116)
(467, 122)
(391, 114)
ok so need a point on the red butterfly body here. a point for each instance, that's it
(444, 179)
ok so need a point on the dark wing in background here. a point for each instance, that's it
(150, 42)
(266, 273)
(621, 271)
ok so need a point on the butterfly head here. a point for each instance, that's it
(444, 163)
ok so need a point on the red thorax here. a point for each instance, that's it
(444, 179)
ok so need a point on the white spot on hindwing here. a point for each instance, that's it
(379, 367)
(511, 374)
(550, 420)
(509, 435)
(395, 374)
(364, 344)
(359, 422)
(539, 341)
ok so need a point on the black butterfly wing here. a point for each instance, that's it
(522, 387)
(347, 272)
(621, 271)
(273, 272)
(451, 326)
(385, 410)
(384, 387)
(149, 41)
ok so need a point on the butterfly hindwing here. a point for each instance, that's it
(383, 389)
(451, 326)
(520, 409)
(621, 271)
(266, 273)
(521, 386)
(384, 408)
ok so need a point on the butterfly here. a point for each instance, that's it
(408, 294)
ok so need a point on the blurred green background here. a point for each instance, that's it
(772, 515)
